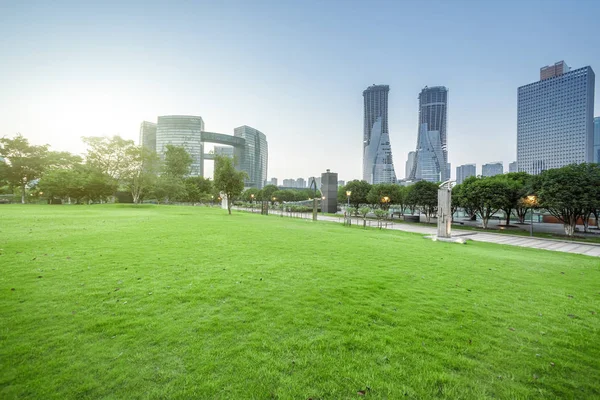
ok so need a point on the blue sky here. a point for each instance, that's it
(293, 69)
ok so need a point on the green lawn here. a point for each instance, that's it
(126, 302)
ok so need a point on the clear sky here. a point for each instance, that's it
(295, 70)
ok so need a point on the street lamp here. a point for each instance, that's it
(252, 201)
(532, 201)
(348, 193)
(385, 200)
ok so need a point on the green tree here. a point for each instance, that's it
(197, 189)
(251, 194)
(143, 171)
(284, 195)
(517, 189)
(568, 193)
(167, 188)
(111, 156)
(267, 192)
(485, 196)
(23, 162)
(177, 161)
(228, 180)
(385, 194)
(425, 195)
(97, 186)
(359, 191)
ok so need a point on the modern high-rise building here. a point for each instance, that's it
(491, 169)
(226, 151)
(341, 183)
(184, 131)
(273, 181)
(555, 120)
(512, 167)
(465, 171)
(550, 71)
(148, 135)
(254, 157)
(431, 159)
(300, 183)
(378, 166)
(597, 140)
(409, 164)
(289, 183)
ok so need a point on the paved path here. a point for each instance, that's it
(588, 249)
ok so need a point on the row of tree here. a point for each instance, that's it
(571, 194)
(111, 165)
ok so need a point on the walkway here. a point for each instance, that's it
(588, 249)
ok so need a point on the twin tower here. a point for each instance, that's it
(247, 146)
(430, 161)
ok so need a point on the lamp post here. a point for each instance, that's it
(348, 193)
(532, 200)
(252, 201)
(385, 200)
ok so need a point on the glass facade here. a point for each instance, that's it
(555, 121)
(431, 160)
(184, 131)
(378, 165)
(512, 167)
(597, 140)
(491, 169)
(465, 171)
(253, 158)
(148, 135)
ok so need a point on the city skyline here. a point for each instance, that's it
(87, 70)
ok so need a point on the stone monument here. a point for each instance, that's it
(329, 189)
(444, 214)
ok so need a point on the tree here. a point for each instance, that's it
(568, 193)
(267, 192)
(111, 156)
(143, 171)
(384, 194)
(166, 188)
(251, 194)
(516, 185)
(197, 189)
(97, 186)
(228, 180)
(485, 196)
(177, 161)
(284, 195)
(359, 191)
(23, 162)
(425, 195)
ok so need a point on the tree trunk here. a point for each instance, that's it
(569, 229)
(508, 216)
(23, 194)
(229, 204)
(484, 222)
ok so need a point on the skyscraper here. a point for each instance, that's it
(409, 164)
(512, 167)
(226, 151)
(465, 171)
(431, 159)
(493, 168)
(148, 135)
(254, 157)
(555, 120)
(184, 131)
(378, 166)
(597, 140)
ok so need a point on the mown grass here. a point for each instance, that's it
(188, 302)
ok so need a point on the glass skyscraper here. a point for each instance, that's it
(378, 165)
(493, 168)
(431, 160)
(555, 120)
(148, 135)
(254, 157)
(597, 140)
(184, 131)
(465, 171)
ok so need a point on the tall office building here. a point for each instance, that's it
(491, 169)
(254, 157)
(465, 171)
(300, 183)
(550, 71)
(289, 183)
(378, 166)
(597, 140)
(431, 159)
(512, 167)
(273, 181)
(555, 120)
(226, 151)
(184, 131)
(409, 164)
(341, 183)
(148, 135)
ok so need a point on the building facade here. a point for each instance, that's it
(378, 165)
(253, 159)
(512, 167)
(555, 120)
(148, 135)
(597, 140)
(226, 151)
(301, 183)
(184, 131)
(465, 171)
(410, 161)
(431, 159)
(491, 169)
(273, 181)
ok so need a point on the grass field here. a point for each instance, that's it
(128, 302)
